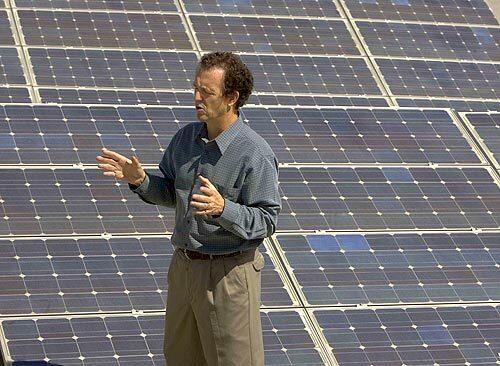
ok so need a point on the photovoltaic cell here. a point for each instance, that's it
(453, 11)
(401, 268)
(319, 75)
(113, 69)
(116, 97)
(360, 136)
(11, 71)
(130, 5)
(431, 41)
(388, 199)
(273, 35)
(6, 37)
(138, 340)
(487, 126)
(73, 201)
(310, 8)
(441, 79)
(93, 274)
(456, 335)
(456, 104)
(101, 29)
(14, 95)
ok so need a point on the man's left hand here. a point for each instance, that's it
(210, 202)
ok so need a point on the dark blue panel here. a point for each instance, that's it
(413, 336)
(321, 8)
(441, 79)
(311, 75)
(101, 29)
(453, 11)
(139, 340)
(366, 198)
(278, 35)
(113, 69)
(431, 41)
(400, 268)
(130, 5)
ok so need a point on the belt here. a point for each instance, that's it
(191, 254)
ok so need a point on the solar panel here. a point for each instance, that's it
(113, 69)
(388, 198)
(11, 71)
(487, 128)
(6, 37)
(115, 97)
(73, 201)
(456, 104)
(273, 35)
(93, 274)
(441, 79)
(72, 135)
(454, 11)
(310, 8)
(348, 269)
(101, 29)
(130, 5)
(14, 95)
(318, 75)
(457, 335)
(138, 340)
(132, 97)
(357, 135)
(431, 41)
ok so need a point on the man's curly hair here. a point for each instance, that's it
(237, 76)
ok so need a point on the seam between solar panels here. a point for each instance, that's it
(26, 64)
(372, 65)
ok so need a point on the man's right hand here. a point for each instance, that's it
(120, 167)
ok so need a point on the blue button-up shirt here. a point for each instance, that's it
(243, 168)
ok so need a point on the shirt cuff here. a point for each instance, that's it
(230, 213)
(141, 189)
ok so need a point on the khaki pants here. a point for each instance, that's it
(212, 313)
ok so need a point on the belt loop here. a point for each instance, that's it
(184, 252)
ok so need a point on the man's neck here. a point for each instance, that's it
(216, 127)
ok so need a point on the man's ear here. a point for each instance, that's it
(233, 98)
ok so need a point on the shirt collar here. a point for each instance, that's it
(225, 138)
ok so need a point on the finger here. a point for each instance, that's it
(203, 213)
(204, 181)
(199, 205)
(135, 162)
(109, 174)
(208, 191)
(106, 160)
(201, 198)
(115, 156)
(107, 167)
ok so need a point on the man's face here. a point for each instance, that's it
(208, 99)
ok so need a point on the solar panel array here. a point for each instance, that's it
(381, 113)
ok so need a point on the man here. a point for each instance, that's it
(222, 179)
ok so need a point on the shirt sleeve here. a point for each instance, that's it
(256, 217)
(159, 190)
